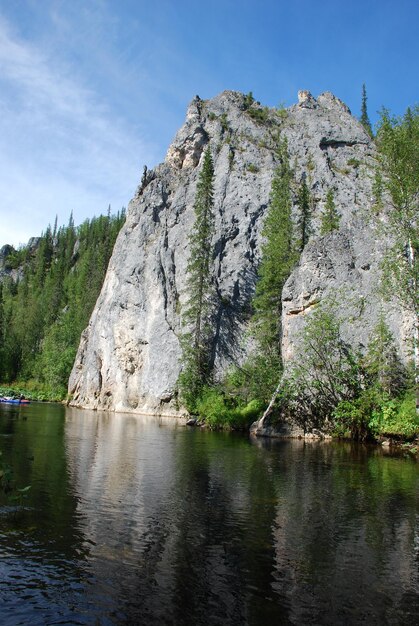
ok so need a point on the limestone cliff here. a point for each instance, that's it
(129, 355)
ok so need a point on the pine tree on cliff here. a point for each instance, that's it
(364, 119)
(330, 217)
(304, 217)
(196, 342)
(279, 255)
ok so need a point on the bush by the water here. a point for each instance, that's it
(378, 415)
(219, 411)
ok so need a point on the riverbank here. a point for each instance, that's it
(32, 391)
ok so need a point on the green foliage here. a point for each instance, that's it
(372, 413)
(310, 164)
(224, 123)
(382, 362)
(398, 143)
(16, 258)
(252, 168)
(377, 190)
(279, 256)
(248, 100)
(326, 371)
(219, 411)
(304, 215)
(330, 217)
(44, 313)
(335, 388)
(32, 390)
(257, 378)
(364, 119)
(196, 342)
(281, 112)
(259, 115)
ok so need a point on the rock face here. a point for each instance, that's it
(129, 355)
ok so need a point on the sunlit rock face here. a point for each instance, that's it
(129, 357)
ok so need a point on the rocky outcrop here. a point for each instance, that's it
(6, 269)
(129, 355)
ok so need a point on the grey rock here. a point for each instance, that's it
(129, 356)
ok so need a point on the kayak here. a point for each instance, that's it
(14, 401)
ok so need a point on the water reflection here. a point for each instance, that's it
(133, 521)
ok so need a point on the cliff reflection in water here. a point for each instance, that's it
(191, 527)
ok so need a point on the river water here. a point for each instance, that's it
(133, 521)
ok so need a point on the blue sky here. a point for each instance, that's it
(91, 90)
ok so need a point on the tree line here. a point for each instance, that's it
(44, 310)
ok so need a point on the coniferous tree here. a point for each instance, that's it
(197, 341)
(364, 119)
(304, 217)
(330, 217)
(45, 312)
(279, 255)
(382, 361)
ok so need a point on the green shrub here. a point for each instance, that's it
(221, 412)
(224, 123)
(374, 414)
(259, 115)
(248, 100)
(398, 417)
(252, 168)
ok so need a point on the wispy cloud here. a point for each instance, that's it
(62, 147)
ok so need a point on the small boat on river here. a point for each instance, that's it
(9, 400)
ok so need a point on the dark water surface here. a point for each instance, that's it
(129, 521)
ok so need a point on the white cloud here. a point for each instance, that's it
(62, 147)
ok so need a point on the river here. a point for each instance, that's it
(131, 520)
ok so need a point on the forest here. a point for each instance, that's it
(46, 305)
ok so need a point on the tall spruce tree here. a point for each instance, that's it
(304, 214)
(364, 119)
(330, 217)
(279, 255)
(196, 342)
(382, 362)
